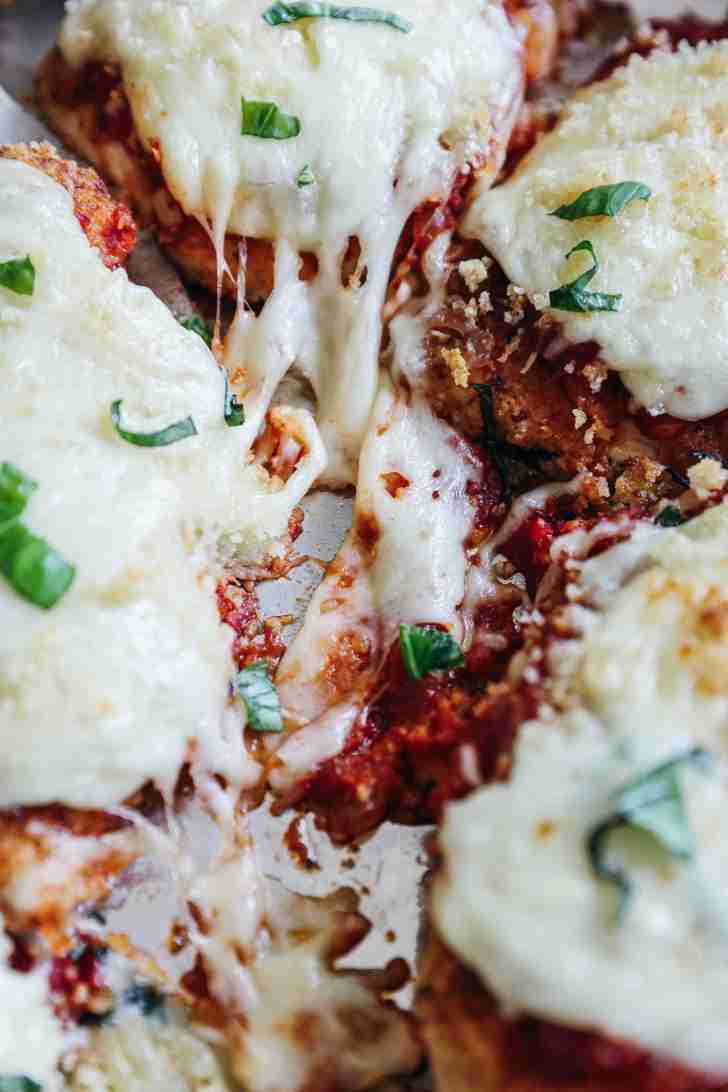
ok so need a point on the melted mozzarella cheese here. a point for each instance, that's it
(292, 1017)
(31, 1040)
(112, 685)
(660, 121)
(413, 500)
(138, 1054)
(518, 900)
(387, 120)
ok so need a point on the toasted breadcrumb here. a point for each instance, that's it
(707, 476)
(638, 479)
(458, 368)
(484, 302)
(473, 271)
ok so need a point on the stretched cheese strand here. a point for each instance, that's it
(644, 682)
(387, 119)
(130, 671)
(659, 121)
(404, 561)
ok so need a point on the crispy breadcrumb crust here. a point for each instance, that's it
(107, 224)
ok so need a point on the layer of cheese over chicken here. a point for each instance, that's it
(660, 121)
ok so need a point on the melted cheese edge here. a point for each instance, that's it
(517, 898)
(31, 1040)
(387, 121)
(413, 492)
(113, 685)
(660, 121)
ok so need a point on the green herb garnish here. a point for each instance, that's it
(574, 297)
(265, 119)
(491, 441)
(670, 516)
(501, 451)
(234, 410)
(34, 569)
(278, 14)
(89, 1019)
(198, 326)
(18, 275)
(180, 430)
(145, 997)
(653, 804)
(18, 1084)
(256, 689)
(305, 177)
(15, 489)
(425, 650)
(603, 200)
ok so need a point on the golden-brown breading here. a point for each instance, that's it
(107, 224)
(54, 859)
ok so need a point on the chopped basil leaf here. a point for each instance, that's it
(234, 410)
(574, 297)
(305, 177)
(18, 1084)
(34, 569)
(256, 688)
(603, 200)
(651, 803)
(501, 450)
(670, 516)
(679, 479)
(277, 14)
(491, 442)
(15, 488)
(180, 430)
(425, 650)
(18, 275)
(145, 997)
(90, 1019)
(265, 119)
(198, 326)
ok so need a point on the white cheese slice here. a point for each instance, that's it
(387, 120)
(114, 684)
(660, 121)
(517, 898)
(31, 1040)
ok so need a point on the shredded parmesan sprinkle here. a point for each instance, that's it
(458, 368)
(473, 271)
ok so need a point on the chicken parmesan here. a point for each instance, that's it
(488, 391)
(232, 128)
(577, 908)
(126, 488)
